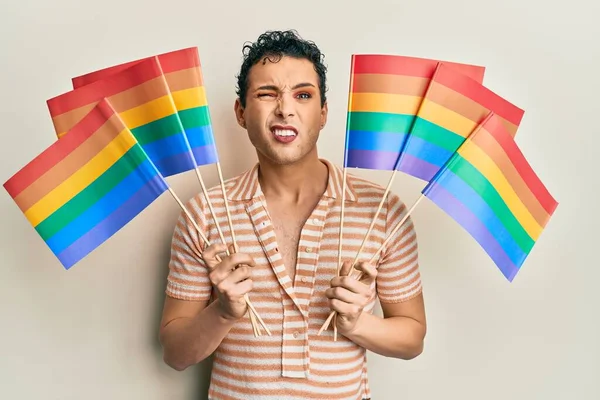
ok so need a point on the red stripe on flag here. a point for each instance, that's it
(133, 76)
(59, 149)
(448, 76)
(170, 62)
(179, 60)
(94, 76)
(411, 66)
(498, 131)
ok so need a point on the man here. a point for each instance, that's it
(286, 213)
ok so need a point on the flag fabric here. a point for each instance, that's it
(385, 94)
(87, 185)
(491, 190)
(452, 108)
(142, 99)
(183, 73)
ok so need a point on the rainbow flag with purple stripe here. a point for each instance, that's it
(183, 74)
(141, 97)
(491, 190)
(385, 94)
(86, 186)
(452, 108)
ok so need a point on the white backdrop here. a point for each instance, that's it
(91, 333)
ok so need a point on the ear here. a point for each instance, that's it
(324, 112)
(239, 113)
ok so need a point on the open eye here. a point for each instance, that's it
(304, 95)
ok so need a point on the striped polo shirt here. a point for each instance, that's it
(294, 363)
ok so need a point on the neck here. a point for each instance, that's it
(295, 183)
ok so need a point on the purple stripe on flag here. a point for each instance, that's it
(205, 154)
(417, 167)
(369, 159)
(111, 224)
(175, 164)
(469, 221)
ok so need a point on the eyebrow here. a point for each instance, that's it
(298, 86)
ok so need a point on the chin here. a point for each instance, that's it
(283, 158)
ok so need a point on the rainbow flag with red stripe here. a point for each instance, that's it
(453, 106)
(86, 186)
(183, 74)
(141, 97)
(491, 190)
(385, 94)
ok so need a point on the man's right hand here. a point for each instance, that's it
(231, 279)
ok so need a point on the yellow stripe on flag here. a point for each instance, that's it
(190, 98)
(81, 179)
(385, 102)
(488, 168)
(148, 112)
(447, 119)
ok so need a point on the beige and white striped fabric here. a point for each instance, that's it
(294, 363)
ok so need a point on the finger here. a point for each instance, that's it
(228, 264)
(369, 272)
(343, 308)
(236, 284)
(238, 275)
(345, 295)
(242, 288)
(350, 284)
(209, 255)
(345, 269)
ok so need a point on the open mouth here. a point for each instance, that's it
(284, 134)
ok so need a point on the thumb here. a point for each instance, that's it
(368, 272)
(211, 255)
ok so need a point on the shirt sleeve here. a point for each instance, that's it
(188, 274)
(398, 276)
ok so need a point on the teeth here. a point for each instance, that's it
(285, 132)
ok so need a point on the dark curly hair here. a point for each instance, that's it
(273, 45)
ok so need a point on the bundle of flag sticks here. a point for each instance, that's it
(122, 131)
(436, 121)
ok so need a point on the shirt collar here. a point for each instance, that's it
(246, 186)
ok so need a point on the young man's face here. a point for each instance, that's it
(283, 113)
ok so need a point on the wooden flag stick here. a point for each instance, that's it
(387, 190)
(207, 242)
(235, 246)
(212, 210)
(344, 177)
(339, 263)
(222, 182)
(393, 233)
(360, 275)
(256, 328)
(362, 246)
(187, 213)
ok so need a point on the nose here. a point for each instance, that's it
(285, 106)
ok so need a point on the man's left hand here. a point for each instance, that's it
(349, 297)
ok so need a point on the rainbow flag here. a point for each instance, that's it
(490, 189)
(385, 94)
(452, 108)
(142, 99)
(183, 74)
(86, 186)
